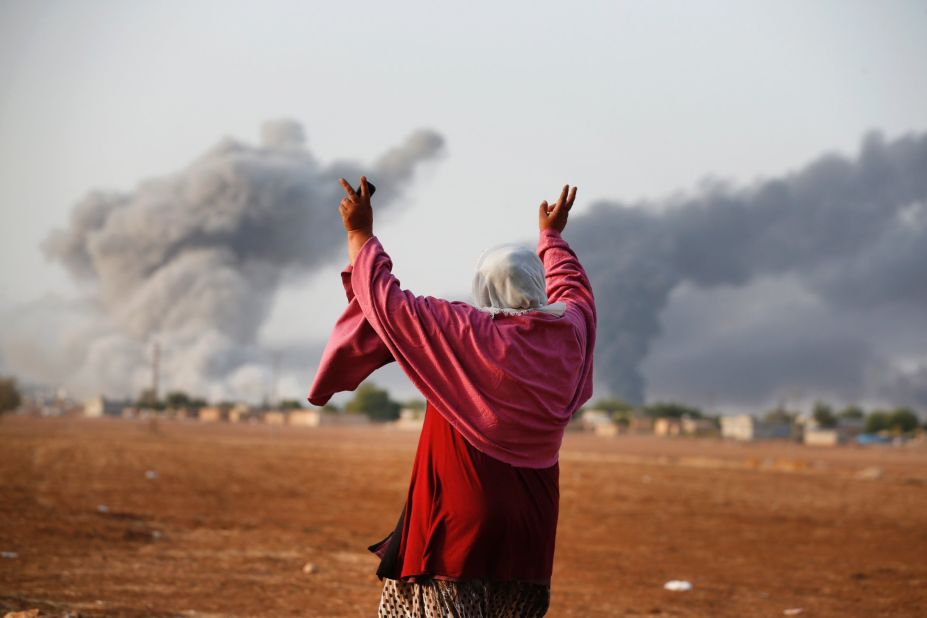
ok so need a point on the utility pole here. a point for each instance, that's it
(155, 362)
(274, 371)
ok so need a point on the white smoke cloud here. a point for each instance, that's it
(193, 260)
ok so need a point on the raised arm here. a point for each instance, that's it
(423, 334)
(566, 278)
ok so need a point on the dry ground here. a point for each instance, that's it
(236, 512)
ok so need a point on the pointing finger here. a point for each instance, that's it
(364, 189)
(348, 188)
(544, 207)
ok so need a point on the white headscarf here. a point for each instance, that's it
(510, 280)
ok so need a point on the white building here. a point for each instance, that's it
(599, 422)
(846, 430)
(745, 427)
(820, 436)
(410, 418)
(101, 406)
(320, 418)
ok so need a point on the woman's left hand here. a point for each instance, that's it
(355, 209)
(357, 216)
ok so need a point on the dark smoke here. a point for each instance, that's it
(852, 232)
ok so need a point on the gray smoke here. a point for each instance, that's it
(195, 258)
(845, 238)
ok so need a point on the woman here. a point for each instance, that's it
(502, 380)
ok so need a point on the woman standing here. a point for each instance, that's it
(502, 380)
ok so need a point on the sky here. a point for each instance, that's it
(637, 103)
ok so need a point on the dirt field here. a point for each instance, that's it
(231, 515)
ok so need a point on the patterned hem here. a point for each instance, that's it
(440, 598)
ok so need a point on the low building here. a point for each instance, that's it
(210, 414)
(241, 413)
(667, 427)
(639, 425)
(305, 418)
(410, 419)
(298, 417)
(324, 418)
(597, 421)
(177, 413)
(698, 426)
(101, 406)
(274, 417)
(342, 419)
(824, 436)
(845, 431)
(745, 427)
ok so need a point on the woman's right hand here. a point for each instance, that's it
(555, 217)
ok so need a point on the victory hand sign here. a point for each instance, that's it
(356, 215)
(555, 217)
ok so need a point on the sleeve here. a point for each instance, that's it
(566, 278)
(352, 353)
(439, 344)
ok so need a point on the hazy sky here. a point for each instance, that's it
(624, 99)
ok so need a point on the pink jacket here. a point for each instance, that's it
(508, 384)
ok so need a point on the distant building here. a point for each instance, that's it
(821, 436)
(343, 418)
(101, 406)
(745, 427)
(322, 418)
(410, 418)
(181, 413)
(683, 426)
(274, 417)
(667, 427)
(639, 425)
(595, 421)
(698, 426)
(210, 414)
(305, 418)
(242, 413)
(845, 431)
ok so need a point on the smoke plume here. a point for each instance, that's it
(845, 239)
(194, 259)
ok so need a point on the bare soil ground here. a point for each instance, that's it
(235, 513)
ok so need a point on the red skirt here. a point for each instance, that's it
(470, 516)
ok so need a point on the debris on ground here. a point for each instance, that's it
(871, 473)
(310, 568)
(678, 585)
